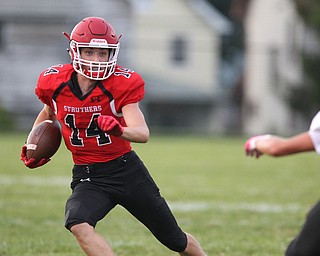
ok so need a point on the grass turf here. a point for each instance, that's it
(232, 204)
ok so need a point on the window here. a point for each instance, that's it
(179, 50)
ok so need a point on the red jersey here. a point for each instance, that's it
(58, 88)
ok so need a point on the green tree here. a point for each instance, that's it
(6, 121)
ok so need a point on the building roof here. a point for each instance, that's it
(212, 16)
(201, 7)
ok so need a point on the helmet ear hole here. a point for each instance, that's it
(72, 51)
(70, 54)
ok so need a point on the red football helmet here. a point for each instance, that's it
(94, 32)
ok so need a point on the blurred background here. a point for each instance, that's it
(215, 67)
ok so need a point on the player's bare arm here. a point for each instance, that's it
(279, 146)
(45, 114)
(137, 129)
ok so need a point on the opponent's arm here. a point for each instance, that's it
(278, 146)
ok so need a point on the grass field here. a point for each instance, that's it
(234, 205)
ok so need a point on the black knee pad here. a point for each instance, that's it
(177, 243)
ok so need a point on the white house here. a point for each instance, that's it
(177, 48)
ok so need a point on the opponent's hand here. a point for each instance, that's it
(250, 146)
(110, 125)
(31, 163)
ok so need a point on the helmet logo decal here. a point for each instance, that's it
(98, 41)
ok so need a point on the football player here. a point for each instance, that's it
(97, 104)
(307, 243)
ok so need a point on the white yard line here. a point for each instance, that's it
(178, 206)
(35, 181)
(261, 207)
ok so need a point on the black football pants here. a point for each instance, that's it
(307, 243)
(98, 188)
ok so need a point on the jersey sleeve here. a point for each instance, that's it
(43, 91)
(314, 132)
(134, 95)
(132, 92)
(50, 79)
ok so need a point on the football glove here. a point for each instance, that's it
(110, 125)
(31, 163)
(250, 145)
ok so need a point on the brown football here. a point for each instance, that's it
(44, 140)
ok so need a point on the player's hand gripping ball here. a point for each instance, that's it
(250, 146)
(42, 143)
(109, 125)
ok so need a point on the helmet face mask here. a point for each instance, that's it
(94, 32)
